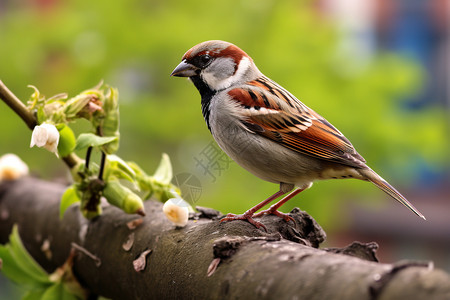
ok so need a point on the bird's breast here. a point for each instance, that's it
(263, 157)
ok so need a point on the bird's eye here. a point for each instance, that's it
(205, 58)
(201, 61)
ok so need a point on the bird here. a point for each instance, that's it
(268, 131)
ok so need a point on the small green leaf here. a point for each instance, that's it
(75, 104)
(19, 266)
(41, 116)
(67, 140)
(86, 140)
(110, 122)
(118, 168)
(164, 173)
(69, 197)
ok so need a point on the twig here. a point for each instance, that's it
(71, 160)
(17, 106)
(88, 157)
(102, 166)
(83, 250)
(103, 159)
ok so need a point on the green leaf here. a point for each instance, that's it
(58, 291)
(67, 140)
(54, 292)
(19, 266)
(69, 197)
(118, 168)
(110, 121)
(86, 140)
(13, 271)
(41, 116)
(164, 173)
(76, 104)
(33, 294)
(24, 259)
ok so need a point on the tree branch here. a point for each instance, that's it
(17, 106)
(206, 259)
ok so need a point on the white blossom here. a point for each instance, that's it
(177, 211)
(12, 167)
(47, 136)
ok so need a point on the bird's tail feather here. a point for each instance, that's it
(389, 189)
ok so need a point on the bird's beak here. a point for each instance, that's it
(185, 69)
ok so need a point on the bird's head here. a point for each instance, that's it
(217, 64)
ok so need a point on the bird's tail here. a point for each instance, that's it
(376, 179)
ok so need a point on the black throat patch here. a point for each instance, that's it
(206, 93)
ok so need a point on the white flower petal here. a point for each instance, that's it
(47, 136)
(53, 147)
(52, 133)
(39, 136)
(177, 214)
(180, 202)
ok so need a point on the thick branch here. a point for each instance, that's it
(242, 261)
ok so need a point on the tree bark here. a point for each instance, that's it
(206, 259)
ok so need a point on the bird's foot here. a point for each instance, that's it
(245, 216)
(275, 212)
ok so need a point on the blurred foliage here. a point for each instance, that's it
(66, 46)
(20, 267)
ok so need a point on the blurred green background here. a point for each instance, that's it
(374, 93)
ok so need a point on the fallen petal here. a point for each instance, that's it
(134, 223)
(45, 248)
(129, 243)
(213, 266)
(140, 263)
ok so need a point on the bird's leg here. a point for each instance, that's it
(248, 215)
(274, 208)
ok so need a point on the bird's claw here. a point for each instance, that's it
(248, 217)
(251, 220)
(275, 212)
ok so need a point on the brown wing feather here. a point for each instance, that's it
(296, 127)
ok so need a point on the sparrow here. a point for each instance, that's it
(268, 131)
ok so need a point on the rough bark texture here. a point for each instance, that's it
(205, 259)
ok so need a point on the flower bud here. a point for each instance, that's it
(177, 211)
(47, 136)
(123, 198)
(110, 121)
(12, 167)
(81, 105)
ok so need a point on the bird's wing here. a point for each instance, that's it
(270, 111)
